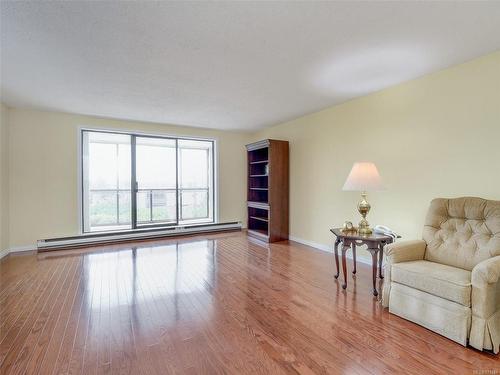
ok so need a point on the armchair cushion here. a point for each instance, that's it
(453, 284)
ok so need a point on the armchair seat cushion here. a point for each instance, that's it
(451, 283)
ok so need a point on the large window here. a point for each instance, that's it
(133, 181)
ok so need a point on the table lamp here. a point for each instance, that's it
(364, 177)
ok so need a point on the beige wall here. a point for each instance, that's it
(436, 136)
(4, 178)
(43, 171)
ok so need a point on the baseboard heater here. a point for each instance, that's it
(94, 239)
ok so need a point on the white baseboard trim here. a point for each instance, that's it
(329, 249)
(17, 249)
(4, 253)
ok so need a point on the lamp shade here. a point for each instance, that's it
(364, 176)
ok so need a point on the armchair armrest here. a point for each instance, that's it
(486, 272)
(485, 304)
(405, 251)
(399, 252)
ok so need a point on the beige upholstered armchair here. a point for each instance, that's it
(449, 282)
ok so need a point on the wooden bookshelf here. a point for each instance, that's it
(268, 190)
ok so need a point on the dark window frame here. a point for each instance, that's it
(212, 184)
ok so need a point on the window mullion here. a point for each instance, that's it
(117, 184)
(133, 181)
(177, 173)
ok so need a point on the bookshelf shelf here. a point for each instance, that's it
(259, 218)
(259, 233)
(262, 206)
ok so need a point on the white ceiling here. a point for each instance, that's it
(228, 65)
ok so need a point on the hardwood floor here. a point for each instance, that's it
(207, 305)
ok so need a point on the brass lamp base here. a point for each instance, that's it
(364, 208)
(364, 228)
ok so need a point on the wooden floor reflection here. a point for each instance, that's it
(206, 305)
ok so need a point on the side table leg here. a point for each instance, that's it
(344, 265)
(354, 257)
(336, 252)
(380, 258)
(374, 269)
